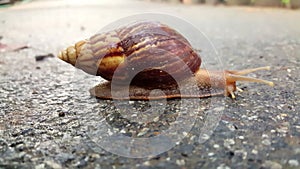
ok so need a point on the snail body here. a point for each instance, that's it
(147, 56)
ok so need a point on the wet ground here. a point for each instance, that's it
(49, 120)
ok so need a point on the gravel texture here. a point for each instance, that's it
(49, 120)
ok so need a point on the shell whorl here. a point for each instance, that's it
(152, 47)
(71, 53)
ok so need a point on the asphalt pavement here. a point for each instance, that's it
(49, 120)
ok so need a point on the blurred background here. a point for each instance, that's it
(43, 100)
(270, 3)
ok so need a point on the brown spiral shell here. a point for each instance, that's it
(158, 52)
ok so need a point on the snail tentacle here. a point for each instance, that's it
(227, 79)
(247, 71)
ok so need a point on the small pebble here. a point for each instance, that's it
(282, 129)
(211, 154)
(293, 163)
(53, 164)
(146, 163)
(22, 154)
(180, 162)
(204, 137)
(252, 117)
(82, 28)
(216, 146)
(156, 119)
(254, 151)
(271, 165)
(3, 146)
(231, 127)
(61, 114)
(241, 137)
(223, 166)
(110, 133)
(297, 150)
(94, 155)
(241, 153)
(40, 166)
(143, 132)
(229, 142)
(42, 57)
(266, 142)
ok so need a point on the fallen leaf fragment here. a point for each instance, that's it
(11, 48)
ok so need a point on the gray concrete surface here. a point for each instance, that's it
(45, 106)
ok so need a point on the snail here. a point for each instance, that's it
(150, 55)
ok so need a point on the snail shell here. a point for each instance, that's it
(150, 55)
(160, 52)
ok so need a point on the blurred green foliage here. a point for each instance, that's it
(285, 1)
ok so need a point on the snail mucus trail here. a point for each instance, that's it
(162, 57)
